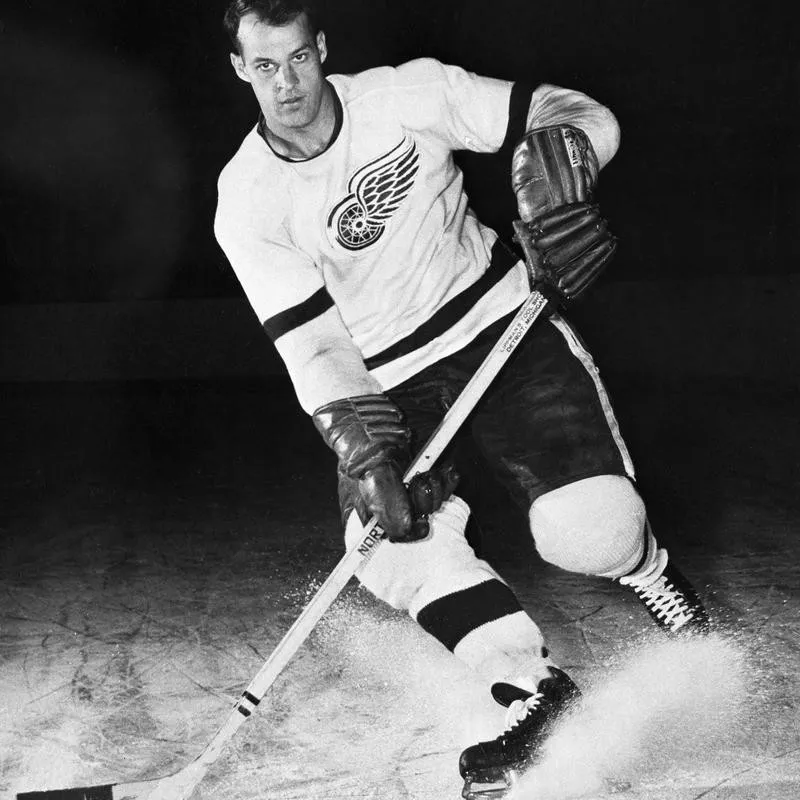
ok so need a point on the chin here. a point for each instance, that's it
(292, 119)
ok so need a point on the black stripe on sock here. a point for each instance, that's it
(503, 259)
(251, 698)
(646, 552)
(298, 315)
(450, 618)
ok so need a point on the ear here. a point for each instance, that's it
(322, 47)
(238, 66)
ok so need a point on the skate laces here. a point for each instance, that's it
(519, 710)
(666, 602)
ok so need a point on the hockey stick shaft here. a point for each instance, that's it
(181, 785)
(363, 551)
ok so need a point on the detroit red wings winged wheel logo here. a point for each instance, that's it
(375, 193)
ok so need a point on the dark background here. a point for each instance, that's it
(164, 503)
(128, 352)
(117, 118)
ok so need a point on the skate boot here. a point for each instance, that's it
(490, 769)
(672, 602)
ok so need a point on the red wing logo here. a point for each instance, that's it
(376, 192)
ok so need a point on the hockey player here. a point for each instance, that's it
(344, 217)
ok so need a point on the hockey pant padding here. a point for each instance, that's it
(455, 596)
(594, 526)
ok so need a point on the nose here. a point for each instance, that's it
(287, 78)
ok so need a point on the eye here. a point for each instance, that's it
(301, 57)
(265, 66)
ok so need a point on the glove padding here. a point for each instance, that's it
(574, 246)
(565, 241)
(370, 438)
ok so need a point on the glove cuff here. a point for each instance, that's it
(364, 431)
(551, 167)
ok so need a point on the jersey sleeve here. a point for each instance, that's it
(282, 284)
(467, 111)
(287, 290)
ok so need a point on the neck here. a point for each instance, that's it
(310, 140)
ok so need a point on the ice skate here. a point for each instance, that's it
(672, 602)
(490, 769)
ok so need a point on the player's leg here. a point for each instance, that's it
(552, 432)
(459, 599)
(548, 429)
(598, 526)
(454, 596)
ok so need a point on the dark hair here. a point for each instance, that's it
(273, 12)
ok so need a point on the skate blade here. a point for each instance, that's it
(489, 788)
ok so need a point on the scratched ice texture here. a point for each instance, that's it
(158, 540)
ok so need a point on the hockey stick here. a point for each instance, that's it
(180, 785)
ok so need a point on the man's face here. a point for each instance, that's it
(284, 66)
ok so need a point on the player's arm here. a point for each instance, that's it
(356, 419)
(324, 362)
(475, 112)
(569, 137)
(565, 239)
(362, 425)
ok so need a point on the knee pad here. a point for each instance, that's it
(410, 576)
(595, 526)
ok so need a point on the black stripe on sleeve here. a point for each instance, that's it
(450, 618)
(503, 259)
(518, 106)
(298, 315)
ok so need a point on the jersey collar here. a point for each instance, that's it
(337, 127)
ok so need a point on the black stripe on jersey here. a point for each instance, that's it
(298, 315)
(503, 259)
(452, 617)
(518, 106)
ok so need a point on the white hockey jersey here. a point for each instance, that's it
(378, 224)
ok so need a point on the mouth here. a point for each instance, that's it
(291, 102)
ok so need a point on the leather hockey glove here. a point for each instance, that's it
(371, 439)
(566, 241)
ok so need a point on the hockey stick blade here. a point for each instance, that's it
(115, 791)
(181, 785)
(85, 793)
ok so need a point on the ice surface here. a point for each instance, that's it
(140, 595)
(664, 708)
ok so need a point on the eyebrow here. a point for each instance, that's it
(265, 59)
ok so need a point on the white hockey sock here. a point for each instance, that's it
(509, 649)
(457, 598)
(653, 563)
